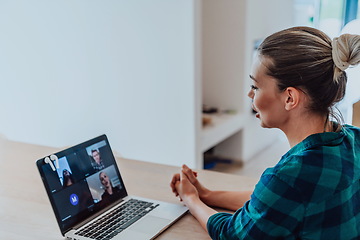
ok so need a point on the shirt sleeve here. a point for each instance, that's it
(274, 211)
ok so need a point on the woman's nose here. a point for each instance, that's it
(251, 94)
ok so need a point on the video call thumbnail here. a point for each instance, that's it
(99, 183)
(73, 200)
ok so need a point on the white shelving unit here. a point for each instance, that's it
(222, 127)
(229, 30)
(223, 64)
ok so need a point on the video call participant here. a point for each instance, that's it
(67, 178)
(97, 162)
(111, 193)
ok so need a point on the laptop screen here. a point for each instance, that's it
(86, 181)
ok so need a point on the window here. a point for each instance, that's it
(329, 16)
(351, 10)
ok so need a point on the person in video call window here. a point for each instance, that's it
(313, 192)
(67, 178)
(110, 193)
(96, 161)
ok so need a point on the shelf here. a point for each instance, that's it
(222, 127)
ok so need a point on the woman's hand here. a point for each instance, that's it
(185, 189)
(176, 178)
(192, 177)
(224, 199)
(185, 185)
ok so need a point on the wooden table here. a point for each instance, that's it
(25, 211)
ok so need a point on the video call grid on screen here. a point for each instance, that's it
(84, 192)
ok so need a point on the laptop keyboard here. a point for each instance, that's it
(117, 220)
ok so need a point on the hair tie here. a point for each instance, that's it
(336, 56)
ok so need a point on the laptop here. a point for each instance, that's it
(89, 197)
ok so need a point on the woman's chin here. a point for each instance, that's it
(262, 124)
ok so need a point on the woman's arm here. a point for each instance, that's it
(224, 199)
(190, 196)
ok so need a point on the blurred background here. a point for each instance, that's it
(166, 80)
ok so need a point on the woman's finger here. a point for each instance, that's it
(191, 175)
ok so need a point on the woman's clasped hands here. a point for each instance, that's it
(186, 186)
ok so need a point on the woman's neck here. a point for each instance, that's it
(109, 191)
(302, 127)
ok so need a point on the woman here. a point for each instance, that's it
(110, 193)
(67, 178)
(314, 190)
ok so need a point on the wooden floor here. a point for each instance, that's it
(256, 166)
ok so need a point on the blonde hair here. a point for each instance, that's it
(345, 52)
(306, 58)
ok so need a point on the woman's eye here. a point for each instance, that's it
(254, 87)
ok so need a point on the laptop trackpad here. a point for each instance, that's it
(144, 229)
(150, 224)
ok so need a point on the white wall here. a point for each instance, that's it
(223, 53)
(72, 70)
(271, 17)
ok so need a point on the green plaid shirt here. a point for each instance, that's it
(312, 193)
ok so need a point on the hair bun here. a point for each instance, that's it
(340, 54)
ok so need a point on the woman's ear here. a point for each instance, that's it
(292, 98)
